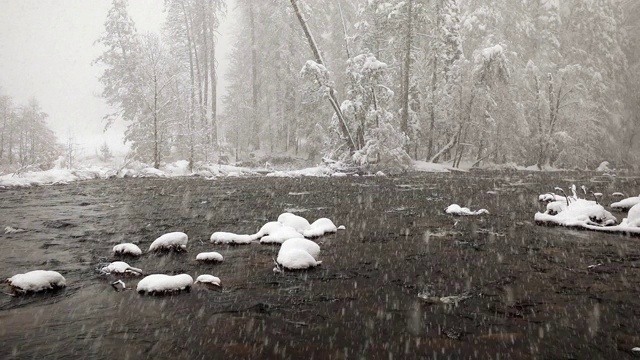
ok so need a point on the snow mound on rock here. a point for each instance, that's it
(222, 237)
(296, 259)
(455, 209)
(174, 240)
(208, 279)
(121, 267)
(127, 249)
(160, 283)
(210, 256)
(37, 280)
(267, 229)
(320, 227)
(299, 223)
(625, 204)
(301, 243)
(281, 235)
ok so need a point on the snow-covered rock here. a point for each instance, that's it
(455, 209)
(210, 256)
(603, 167)
(222, 237)
(267, 229)
(170, 241)
(299, 223)
(160, 283)
(633, 217)
(281, 235)
(120, 267)
(551, 197)
(578, 212)
(37, 280)
(296, 259)
(301, 243)
(625, 204)
(12, 230)
(127, 249)
(320, 227)
(208, 279)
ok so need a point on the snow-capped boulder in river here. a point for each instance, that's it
(301, 243)
(160, 283)
(296, 259)
(579, 212)
(633, 217)
(120, 268)
(455, 209)
(37, 280)
(208, 279)
(267, 229)
(297, 222)
(210, 257)
(320, 227)
(172, 241)
(625, 204)
(222, 237)
(127, 249)
(281, 235)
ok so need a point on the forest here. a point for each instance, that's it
(379, 83)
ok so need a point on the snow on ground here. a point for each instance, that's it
(210, 256)
(221, 237)
(160, 283)
(455, 209)
(37, 280)
(127, 249)
(318, 171)
(424, 166)
(171, 241)
(120, 267)
(208, 279)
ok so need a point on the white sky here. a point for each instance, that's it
(46, 50)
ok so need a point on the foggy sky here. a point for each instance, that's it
(46, 50)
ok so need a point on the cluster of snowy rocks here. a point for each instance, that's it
(573, 211)
(291, 231)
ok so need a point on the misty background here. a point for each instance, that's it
(376, 84)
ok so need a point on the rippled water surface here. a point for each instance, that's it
(531, 292)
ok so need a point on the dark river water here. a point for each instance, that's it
(527, 290)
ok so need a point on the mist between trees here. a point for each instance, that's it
(378, 83)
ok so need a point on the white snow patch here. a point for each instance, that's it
(281, 235)
(159, 283)
(174, 240)
(551, 197)
(301, 243)
(221, 237)
(625, 204)
(37, 280)
(120, 267)
(208, 279)
(455, 209)
(424, 166)
(299, 223)
(578, 213)
(267, 229)
(210, 256)
(127, 249)
(296, 259)
(320, 227)
(11, 230)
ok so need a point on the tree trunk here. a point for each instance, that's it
(332, 97)
(255, 134)
(406, 75)
(214, 84)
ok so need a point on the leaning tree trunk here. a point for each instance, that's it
(255, 134)
(344, 129)
(406, 74)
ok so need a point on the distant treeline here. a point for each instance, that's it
(527, 82)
